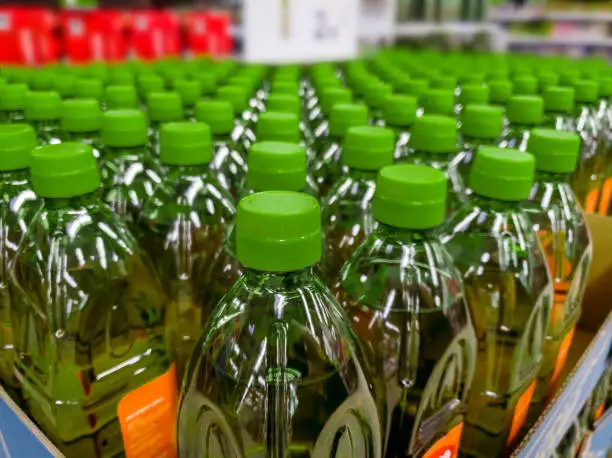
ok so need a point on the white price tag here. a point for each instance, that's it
(277, 31)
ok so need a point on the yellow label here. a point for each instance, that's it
(520, 413)
(147, 416)
(448, 446)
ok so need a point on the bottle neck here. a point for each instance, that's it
(140, 151)
(404, 235)
(479, 141)
(188, 170)
(221, 137)
(46, 124)
(279, 280)
(71, 203)
(14, 176)
(359, 174)
(548, 177)
(434, 158)
(495, 204)
(82, 135)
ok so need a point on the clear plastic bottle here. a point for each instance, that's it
(129, 173)
(318, 117)
(17, 199)
(121, 98)
(557, 218)
(162, 107)
(92, 358)
(183, 227)
(43, 112)
(347, 208)
(480, 125)
(400, 112)
(509, 293)
(230, 159)
(326, 167)
(433, 142)
(81, 122)
(238, 97)
(405, 299)
(559, 105)
(524, 112)
(278, 371)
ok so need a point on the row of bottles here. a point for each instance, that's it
(394, 281)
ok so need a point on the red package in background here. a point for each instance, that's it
(208, 33)
(154, 34)
(28, 36)
(93, 35)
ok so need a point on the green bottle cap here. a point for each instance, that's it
(410, 196)
(400, 110)
(499, 91)
(368, 147)
(482, 121)
(474, 93)
(444, 82)
(276, 166)
(284, 103)
(558, 99)
(42, 80)
(434, 134)
(502, 173)
(278, 127)
(149, 83)
(554, 151)
(496, 75)
(64, 85)
(586, 91)
(285, 87)
(439, 101)
(416, 87)
(208, 82)
(185, 143)
(122, 77)
(164, 106)
(569, 77)
(64, 170)
(16, 143)
(605, 87)
(189, 90)
(546, 79)
(525, 85)
(525, 109)
(238, 96)
(473, 79)
(330, 96)
(81, 115)
(345, 116)
(13, 96)
(376, 93)
(89, 89)
(218, 114)
(121, 97)
(278, 231)
(42, 106)
(124, 129)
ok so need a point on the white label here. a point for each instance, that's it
(5, 22)
(277, 31)
(377, 21)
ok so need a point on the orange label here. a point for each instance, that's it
(147, 416)
(599, 412)
(520, 413)
(448, 446)
(561, 358)
(606, 196)
(590, 206)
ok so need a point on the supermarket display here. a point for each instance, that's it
(383, 257)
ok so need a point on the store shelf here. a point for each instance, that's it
(528, 40)
(531, 15)
(416, 29)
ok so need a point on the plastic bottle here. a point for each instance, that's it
(162, 107)
(238, 97)
(129, 174)
(546, 79)
(326, 166)
(183, 228)
(229, 160)
(472, 94)
(500, 92)
(318, 117)
(557, 217)
(278, 127)
(347, 208)
(509, 292)
(525, 85)
(86, 88)
(148, 84)
(524, 112)
(43, 111)
(559, 105)
(480, 125)
(64, 85)
(423, 346)
(375, 95)
(94, 358)
(121, 98)
(433, 142)
(439, 102)
(81, 121)
(278, 371)
(190, 92)
(16, 200)
(400, 112)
